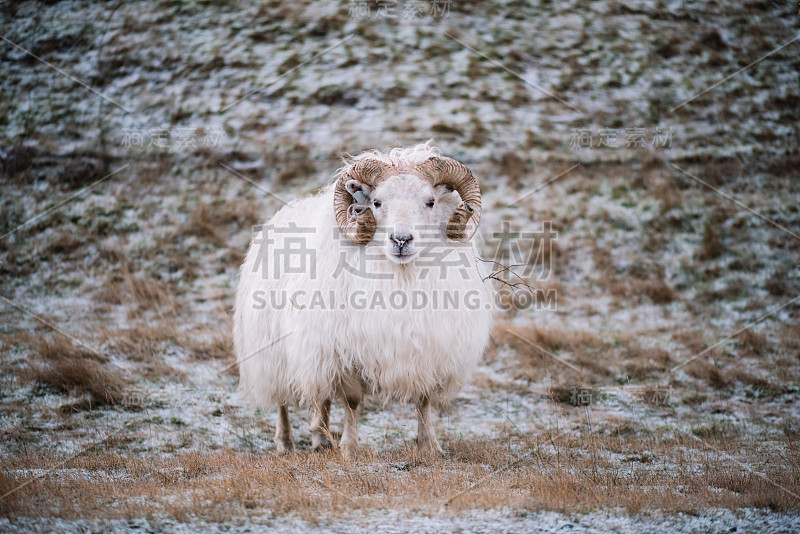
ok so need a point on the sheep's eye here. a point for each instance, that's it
(430, 203)
(377, 203)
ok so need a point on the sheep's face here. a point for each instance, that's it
(410, 214)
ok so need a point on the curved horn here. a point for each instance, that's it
(441, 170)
(358, 224)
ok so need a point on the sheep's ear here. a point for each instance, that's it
(447, 199)
(443, 189)
(358, 190)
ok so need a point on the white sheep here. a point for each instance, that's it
(369, 287)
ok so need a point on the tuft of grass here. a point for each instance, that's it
(712, 246)
(216, 345)
(692, 339)
(18, 161)
(65, 243)
(81, 170)
(215, 222)
(514, 167)
(551, 339)
(539, 353)
(710, 373)
(202, 224)
(715, 431)
(146, 344)
(669, 195)
(59, 348)
(136, 292)
(648, 364)
(695, 399)
(76, 371)
(297, 164)
(778, 284)
(752, 344)
(658, 291)
(10, 501)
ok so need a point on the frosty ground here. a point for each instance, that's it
(674, 225)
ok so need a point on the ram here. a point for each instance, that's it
(369, 287)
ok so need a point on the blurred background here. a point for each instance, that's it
(654, 142)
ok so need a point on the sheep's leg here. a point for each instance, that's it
(426, 436)
(320, 426)
(349, 441)
(283, 433)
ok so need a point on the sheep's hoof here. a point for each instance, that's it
(349, 451)
(284, 447)
(431, 448)
(320, 443)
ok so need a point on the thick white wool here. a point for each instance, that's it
(298, 334)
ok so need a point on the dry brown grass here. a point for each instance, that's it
(540, 353)
(549, 472)
(778, 284)
(657, 291)
(735, 288)
(138, 293)
(75, 370)
(479, 134)
(527, 340)
(693, 340)
(749, 379)
(209, 345)
(546, 295)
(175, 258)
(215, 222)
(668, 194)
(296, 164)
(59, 348)
(716, 170)
(564, 359)
(715, 376)
(712, 246)
(201, 224)
(141, 342)
(645, 280)
(219, 347)
(648, 282)
(790, 336)
(752, 344)
(145, 344)
(648, 364)
(484, 382)
(514, 167)
(64, 243)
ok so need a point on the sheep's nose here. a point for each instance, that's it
(402, 239)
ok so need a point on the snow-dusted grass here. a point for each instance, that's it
(651, 266)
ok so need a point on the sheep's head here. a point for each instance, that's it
(374, 200)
